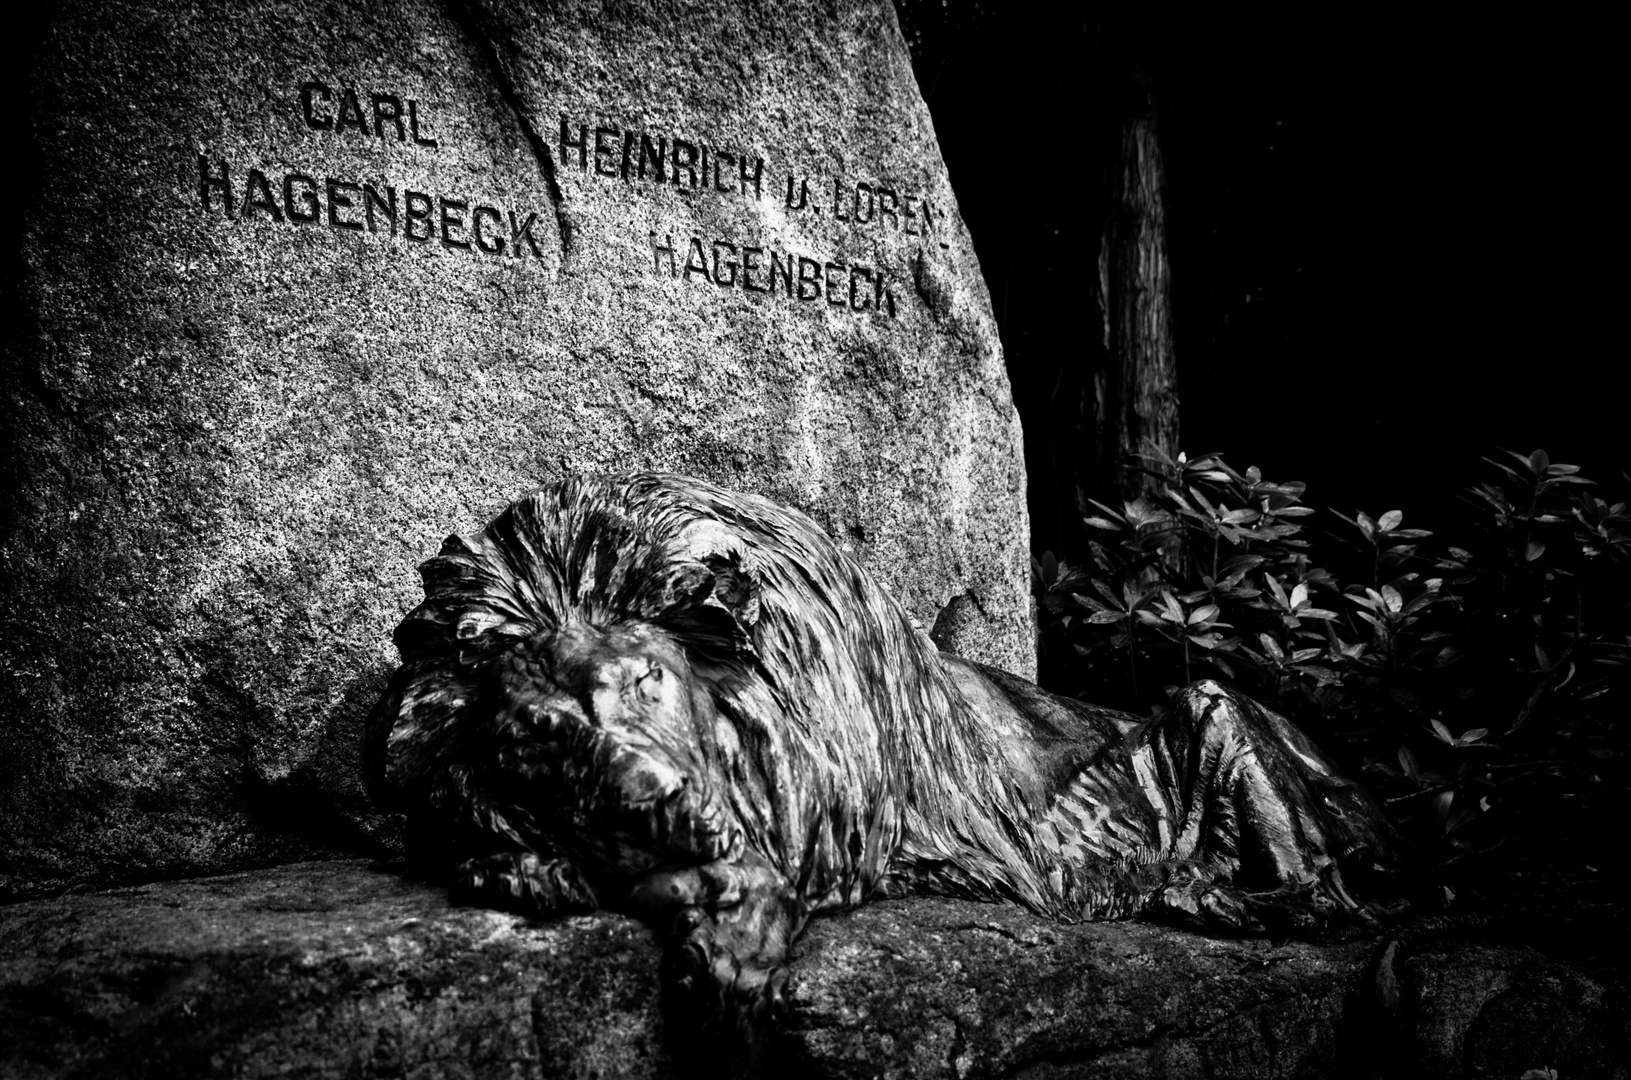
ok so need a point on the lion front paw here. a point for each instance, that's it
(1205, 906)
(1318, 909)
(521, 881)
(723, 988)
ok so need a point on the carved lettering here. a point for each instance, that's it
(689, 162)
(387, 107)
(695, 261)
(320, 112)
(453, 220)
(838, 202)
(767, 272)
(350, 114)
(208, 183)
(386, 206)
(258, 196)
(522, 232)
(495, 246)
(307, 107)
(581, 145)
(417, 206)
(750, 266)
(810, 279)
(854, 273)
(726, 264)
(604, 150)
(870, 208)
(338, 202)
(784, 269)
(413, 125)
(628, 154)
(345, 205)
(757, 177)
(652, 154)
(886, 206)
(307, 198)
(659, 250)
(804, 193)
(826, 276)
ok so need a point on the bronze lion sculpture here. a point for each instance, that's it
(656, 696)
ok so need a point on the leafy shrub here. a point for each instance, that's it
(1453, 675)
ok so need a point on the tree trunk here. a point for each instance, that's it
(1133, 395)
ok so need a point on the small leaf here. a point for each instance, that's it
(1391, 597)
(1407, 762)
(1541, 658)
(1099, 618)
(1390, 520)
(1101, 523)
(1203, 613)
(1538, 462)
(1441, 808)
(1299, 595)
(1271, 646)
(1473, 736)
(1278, 593)
(1442, 732)
(1536, 549)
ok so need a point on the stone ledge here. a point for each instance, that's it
(335, 969)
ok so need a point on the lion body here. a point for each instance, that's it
(653, 694)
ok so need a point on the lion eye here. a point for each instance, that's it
(650, 684)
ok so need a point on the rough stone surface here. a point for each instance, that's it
(230, 435)
(319, 969)
(338, 969)
(946, 988)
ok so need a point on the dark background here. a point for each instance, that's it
(1395, 243)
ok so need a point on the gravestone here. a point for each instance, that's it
(301, 288)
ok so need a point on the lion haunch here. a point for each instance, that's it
(653, 695)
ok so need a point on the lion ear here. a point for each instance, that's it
(734, 589)
(716, 616)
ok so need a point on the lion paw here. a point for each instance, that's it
(521, 881)
(1315, 909)
(1204, 906)
(744, 992)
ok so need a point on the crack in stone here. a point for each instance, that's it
(477, 26)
